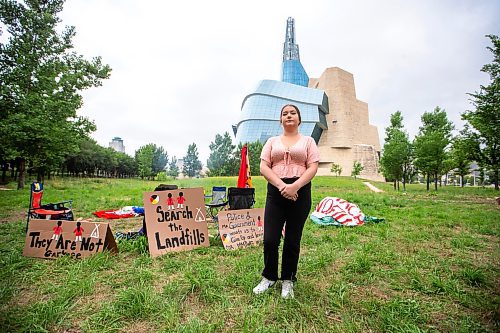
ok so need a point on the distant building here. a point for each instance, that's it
(471, 178)
(180, 164)
(331, 114)
(180, 167)
(117, 144)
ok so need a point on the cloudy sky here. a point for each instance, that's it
(182, 68)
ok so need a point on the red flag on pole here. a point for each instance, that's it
(244, 177)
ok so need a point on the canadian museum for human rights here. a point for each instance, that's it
(330, 113)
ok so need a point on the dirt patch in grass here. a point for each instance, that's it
(490, 319)
(480, 200)
(159, 284)
(331, 272)
(457, 229)
(441, 319)
(124, 225)
(28, 297)
(192, 307)
(333, 316)
(438, 320)
(102, 293)
(70, 330)
(379, 292)
(12, 217)
(227, 268)
(490, 242)
(461, 201)
(139, 327)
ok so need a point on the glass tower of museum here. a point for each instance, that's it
(260, 110)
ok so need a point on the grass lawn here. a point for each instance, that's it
(433, 266)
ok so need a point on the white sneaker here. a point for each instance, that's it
(287, 289)
(263, 286)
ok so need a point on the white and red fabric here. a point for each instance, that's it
(337, 211)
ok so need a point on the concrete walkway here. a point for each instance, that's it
(373, 188)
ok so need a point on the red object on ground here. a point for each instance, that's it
(112, 214)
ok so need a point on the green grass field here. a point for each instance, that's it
(432, 266)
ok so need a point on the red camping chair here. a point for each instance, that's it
(51, 211)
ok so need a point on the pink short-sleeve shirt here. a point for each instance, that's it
(290, 162)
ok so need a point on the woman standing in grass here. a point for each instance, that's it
(288, 162)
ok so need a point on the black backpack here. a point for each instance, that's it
(241, 198)
(165, 187)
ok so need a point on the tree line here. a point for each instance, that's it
(149, 162)
(435, 151)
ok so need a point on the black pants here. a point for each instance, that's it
(278, 211)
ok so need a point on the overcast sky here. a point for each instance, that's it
(182, 68)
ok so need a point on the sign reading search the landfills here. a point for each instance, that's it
(241, 228)
(78, 239)
(175, 220)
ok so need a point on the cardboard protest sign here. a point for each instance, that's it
(52, 238)
(241, 228)
(175, 220)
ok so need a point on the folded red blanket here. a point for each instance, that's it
(113, 214)
(127, 211)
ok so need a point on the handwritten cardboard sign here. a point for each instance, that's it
(52, 239)
(241, 228)
(175, 220)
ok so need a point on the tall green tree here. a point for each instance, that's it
(485, 119)
(151, 160)
(221, 159)
(84, 161)
(431, 144)
(127, 166)
(160, 159)
(144, 158)
(110, 165)
(462, 153)
(41, 84)
(397, 155)
(173, 169)
(192, 164)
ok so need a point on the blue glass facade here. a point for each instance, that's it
(293, 72)
(260, 112)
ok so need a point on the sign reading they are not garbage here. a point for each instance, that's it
(51, 239)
